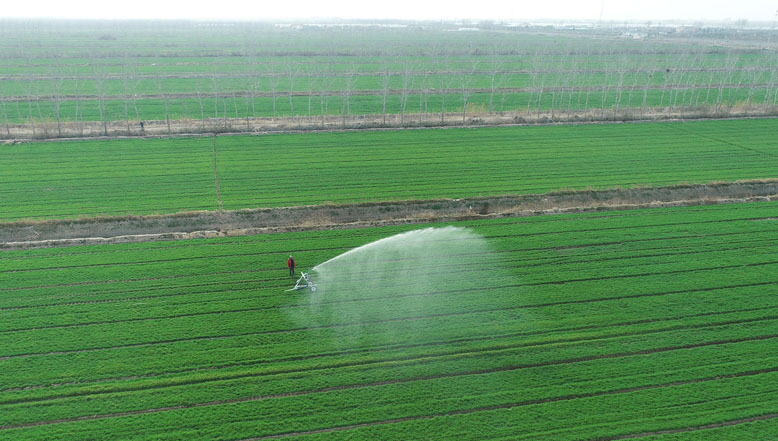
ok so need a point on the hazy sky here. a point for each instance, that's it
(691, 10)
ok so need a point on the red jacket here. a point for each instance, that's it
(290, 263)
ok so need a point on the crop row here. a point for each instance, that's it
(280, 85)
(551, 59)
(602, 317)
(431, 105)
(63, 44)
(89, 178)
(575, 350)
(62, 76)
(574, 371)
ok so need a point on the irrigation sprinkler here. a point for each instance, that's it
(304, 282)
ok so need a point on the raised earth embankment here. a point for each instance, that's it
(201, 224)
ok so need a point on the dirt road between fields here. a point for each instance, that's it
(69, 130)
(206, 224)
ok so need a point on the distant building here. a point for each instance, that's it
(634, 35)
(686, 29)
(340, 25)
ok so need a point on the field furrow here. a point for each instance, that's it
(578, 317)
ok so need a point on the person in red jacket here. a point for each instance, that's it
(290, 264)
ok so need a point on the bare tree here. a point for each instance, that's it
(771, 68)
(423, 88)
(235, 104)
(128, 92)
(290, 75)
(533, 74)
(41, 119)
(135, 81)
(201, 103)
(246, 96)
(346, 104)
(622, 71)
(215, 91)
(404, 92)
(695, 66)
(57, 87)
(561, 78)
(311, 81)
(711, 76)
(444, 80)
(538, 76)
(496, 79)
(540, 90)
(77, 102)
(99, 78)
(385, 76)
(5, 113)
(465, 78)
(649, 75)
(756, 75)
(224, 110)
(5, 117)
(505, 78)
(165, 99)
(573, 77)
(732, 92)
(680, 75)
(726, 77)
(324, 94)
(255, 85)
(588, 78)
(604, 93)
(274, 81)
(29, 91)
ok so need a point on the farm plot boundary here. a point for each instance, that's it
(561, 316)
(71, 130)
(204, 224)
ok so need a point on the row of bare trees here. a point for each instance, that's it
(542, 84)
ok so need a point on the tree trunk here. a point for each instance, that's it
(5, 117)
(248, 125)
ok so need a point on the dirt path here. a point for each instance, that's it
(70, 130)
(205, 224)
